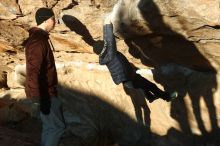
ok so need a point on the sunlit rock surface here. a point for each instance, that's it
(175, 44)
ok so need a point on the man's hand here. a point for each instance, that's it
(32, 108)
(35, 110)
(40, 104)
(35, 107)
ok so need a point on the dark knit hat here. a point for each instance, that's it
(43, 14)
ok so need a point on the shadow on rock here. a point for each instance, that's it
(78, 27)
(164, 49)
(101, 124)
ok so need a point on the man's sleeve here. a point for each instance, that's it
(34, 57)
(116, 62)
(109, 50)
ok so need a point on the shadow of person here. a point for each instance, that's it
(140, 90)
(78, 27)
(102, 124)
(142, 110)
(140, 105)
(162, 46)
(204, 93)
(166, 46)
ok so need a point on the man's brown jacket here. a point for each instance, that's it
(41, 79)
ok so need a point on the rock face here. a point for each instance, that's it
(9, 9)
(182, 32)
(183, 120)
(175, 43)
(125, 117)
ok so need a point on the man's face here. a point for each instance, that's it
(51, 23)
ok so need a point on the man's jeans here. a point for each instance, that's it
(53, 124)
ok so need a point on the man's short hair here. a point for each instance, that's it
(42, 14)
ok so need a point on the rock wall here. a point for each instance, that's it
(107, 113)
(174, 43)
(184, 32)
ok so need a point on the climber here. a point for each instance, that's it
(41, 78)
(123, 72)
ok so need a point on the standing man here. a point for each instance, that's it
(41, 78)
